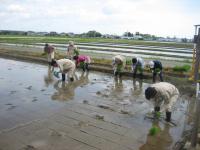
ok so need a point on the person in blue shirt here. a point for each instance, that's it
(156, 68)
(137, 65)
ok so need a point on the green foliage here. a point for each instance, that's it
(128, 62)
(154, 130)
(184, 68)
(93, 34)
(157, 114)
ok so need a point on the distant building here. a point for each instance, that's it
(53, 33)
(42, 33)
(30, 33)
(71, 34)
(63, 34)
(134, 37)
(137, 37)
(109, 36)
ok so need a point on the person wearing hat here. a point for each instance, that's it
(137, 64)
(65, 66)
(118, 63)
(162, 94)
(156, 68)
(83, 60)
(50, 51)
(72, 50)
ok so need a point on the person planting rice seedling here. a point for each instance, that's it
(137, 64)
(83, 61)
(163, 95)
(156, 68)
(65, 66)
(118, 63)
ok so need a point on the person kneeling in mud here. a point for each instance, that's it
(119, 63)
(137, 64)
(162, 94)
(156, 68)
(66, 66)
(83, 61)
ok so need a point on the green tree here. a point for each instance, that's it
(93, 34)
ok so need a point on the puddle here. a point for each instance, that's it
(30, 92)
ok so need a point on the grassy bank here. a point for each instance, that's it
(63, 40)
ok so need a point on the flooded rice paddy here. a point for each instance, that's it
(96, 111)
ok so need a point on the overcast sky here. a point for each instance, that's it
(158, 17)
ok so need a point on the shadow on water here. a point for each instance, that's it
(30, 91)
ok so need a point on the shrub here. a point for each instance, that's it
(184, 68)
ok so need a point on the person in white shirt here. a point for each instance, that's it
(66, 66)
(162, 94)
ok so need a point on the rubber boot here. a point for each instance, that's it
(134, 75)
(154, 77)
(168, 116)
(120, 74)
(116, 73)
(87, 66)
(141, 75)
(63, 77)
(156, 109)
(83, 68)
(161, 77)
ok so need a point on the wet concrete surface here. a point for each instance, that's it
(96, 111)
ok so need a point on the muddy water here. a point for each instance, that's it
(30, 92)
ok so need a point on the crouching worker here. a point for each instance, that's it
(118, 63)
(156, 68)
(137, 64)
(162, 94)
(50, 51)
(66, 66)
(83, 61)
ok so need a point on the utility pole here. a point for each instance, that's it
(197, 80)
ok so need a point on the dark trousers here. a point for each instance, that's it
(63, 77)
(160, 75)
(85, 67)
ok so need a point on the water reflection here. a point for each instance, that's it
(137, 89)
(66, 90)
(48, 79)
(118, 85)
(117, 89)
(161, 141)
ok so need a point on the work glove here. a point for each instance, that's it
(133, 68)
(56, 74)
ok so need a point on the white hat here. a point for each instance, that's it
(151, 64)
(71, 43)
